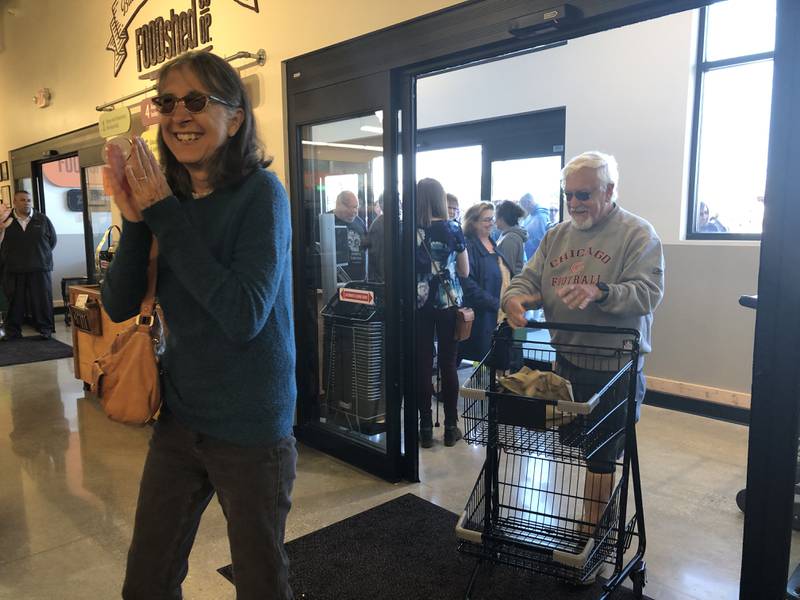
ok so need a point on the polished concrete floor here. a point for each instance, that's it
(69, 479)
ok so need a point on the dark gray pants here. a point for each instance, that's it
(29, 293)
(181, 474)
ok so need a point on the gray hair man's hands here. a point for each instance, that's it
(579, 295)
(516, 306)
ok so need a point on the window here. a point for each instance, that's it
(539, 176)
(457, 169)
(731, 125)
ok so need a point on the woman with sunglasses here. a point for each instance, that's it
(224, 283)
(489, 274)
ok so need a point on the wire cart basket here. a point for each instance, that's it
(553, 494)
(353, 366)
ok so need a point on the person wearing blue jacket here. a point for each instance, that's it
(225, 287)
(489, 274)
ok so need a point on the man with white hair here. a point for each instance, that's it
(604, 266)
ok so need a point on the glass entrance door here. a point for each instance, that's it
(346, 215)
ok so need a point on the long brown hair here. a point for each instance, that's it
(473, 214)
(431, 202)
(243, 152)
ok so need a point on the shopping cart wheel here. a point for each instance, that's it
(639, 579)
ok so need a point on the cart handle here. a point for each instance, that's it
(326, 312)
(578, 408)
(582, 328)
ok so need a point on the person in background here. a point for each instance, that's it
(441, 258)
(375, 247)
(707, 224)
(605, 266)
(223, 228)
(512, 237)
(453, 210)
(488, 271)
(27, 239)
(535, 223)
(346, 213)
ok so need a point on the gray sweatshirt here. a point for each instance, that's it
(623, 251)
(512, 246)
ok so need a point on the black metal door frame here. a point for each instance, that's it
(478, 30)
(334, 102)
(87, 144)
(775, 406)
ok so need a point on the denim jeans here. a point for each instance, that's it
(181, 474)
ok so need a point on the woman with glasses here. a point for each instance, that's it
(223, 229)
(489, 274)
(440, 260)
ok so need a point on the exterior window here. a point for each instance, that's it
(731, 122)
(457, 169)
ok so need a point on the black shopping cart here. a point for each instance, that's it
(546, 499)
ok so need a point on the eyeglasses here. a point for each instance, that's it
(488, 220)
(195, 102)
(582, 195)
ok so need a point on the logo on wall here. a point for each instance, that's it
(162, 38)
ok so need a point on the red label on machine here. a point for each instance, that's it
(357, 296)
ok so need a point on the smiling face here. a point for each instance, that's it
(585, 213)
(485, 223)
(194, 138)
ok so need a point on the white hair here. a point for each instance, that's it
(604, 164)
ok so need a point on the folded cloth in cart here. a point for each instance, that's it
(538, 384)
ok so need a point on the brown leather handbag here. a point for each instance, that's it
(464, 318)
(126, 378)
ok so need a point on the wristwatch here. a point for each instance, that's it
(603, 287)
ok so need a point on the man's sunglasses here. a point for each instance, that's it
(583, 195)
(194, 102)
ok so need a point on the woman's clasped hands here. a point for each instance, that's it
(135, 183)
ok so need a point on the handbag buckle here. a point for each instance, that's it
(145, 320)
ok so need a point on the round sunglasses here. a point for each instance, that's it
(194, 102)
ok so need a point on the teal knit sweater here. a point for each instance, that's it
(225, 286)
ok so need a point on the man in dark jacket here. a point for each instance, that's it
(27, 239)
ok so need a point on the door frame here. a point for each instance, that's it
(351, 98)
(87, 144)
(479, 29)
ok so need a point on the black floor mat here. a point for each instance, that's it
(405, 549)
(32, 349)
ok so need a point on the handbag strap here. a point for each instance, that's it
(106, 240)
(147, 307)
(448, 289)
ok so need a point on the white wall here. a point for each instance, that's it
(61, 44)
(629, 92)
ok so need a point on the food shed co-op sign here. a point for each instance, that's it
(164, 37)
